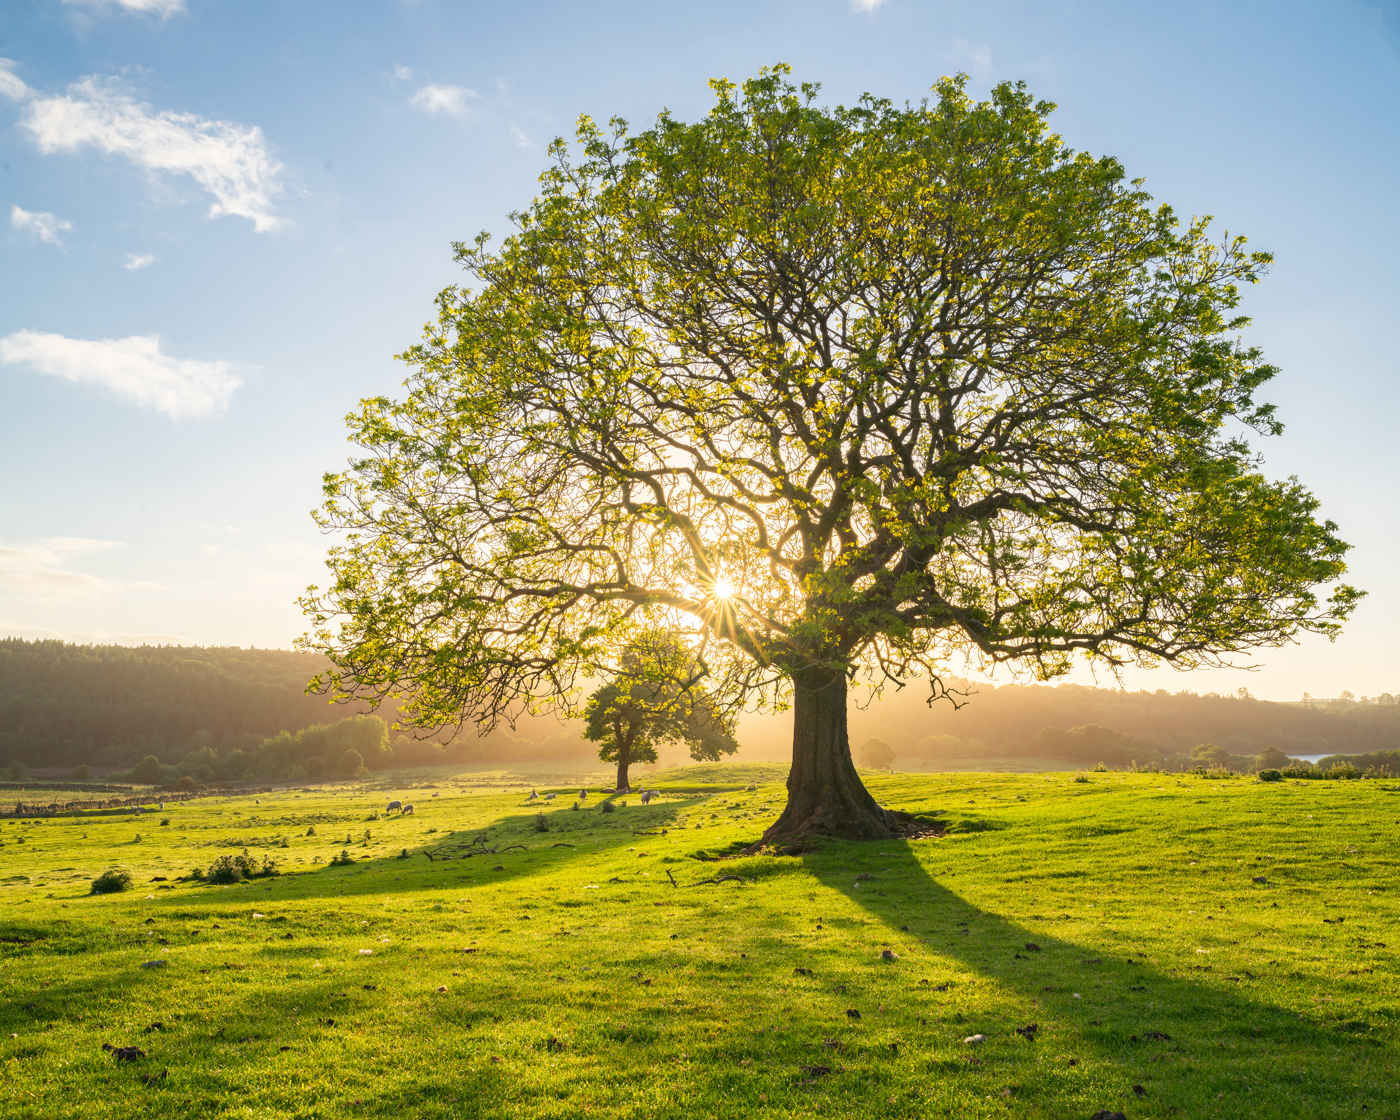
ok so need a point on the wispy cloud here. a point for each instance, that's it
(40, 567)
(10, 84)
(403, 73)
(451, 100)
(980, 57)
(521, 139)
(229, 160)
(39, 224)
(132, 368)
(135, 262)
(162, 8)
(866, 6)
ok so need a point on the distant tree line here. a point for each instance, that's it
(1178, 731)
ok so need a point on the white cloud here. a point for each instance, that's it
(228, 160)
(403, 73)
(42, 226)
(451, 100)
(10, 84)
(521, 139)
(135, 262)
(866, 6)
(210, 549)
(981, 57)
(38, 568)
(132, 368)
(162, 8)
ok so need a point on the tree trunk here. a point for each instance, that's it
(825, 795)
(622, 763)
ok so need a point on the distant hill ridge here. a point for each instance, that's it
(63, 705)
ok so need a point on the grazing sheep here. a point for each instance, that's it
(407, 809)
(550, 796)
(583, 795)
(394, 805)
(534, 796)
(647, 795)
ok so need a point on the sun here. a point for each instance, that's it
(723, 589)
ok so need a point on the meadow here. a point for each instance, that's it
(1156, 945)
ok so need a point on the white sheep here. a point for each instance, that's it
(407, 809)
(394, 805)
(647, 795)
(550, 796)
(583, 795)
(534, 796)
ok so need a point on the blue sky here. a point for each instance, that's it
(220, 220)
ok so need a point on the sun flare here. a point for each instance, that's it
(723, 589)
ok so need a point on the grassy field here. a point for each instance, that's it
(1121, 915)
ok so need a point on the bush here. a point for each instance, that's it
(147, 771)
(350, 762)
(609, 807)
(234, 869)
(197, 873)
(111, 881)
(342, 859)
(403, 854)
(315, 767)
(80, 773)
(1270, 776)
(574, 806)
(541, 823)
(165, 822)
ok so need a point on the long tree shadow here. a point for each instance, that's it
(1149, 1021)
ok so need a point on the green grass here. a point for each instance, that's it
(580, 982)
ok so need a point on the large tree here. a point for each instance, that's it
(832, 392)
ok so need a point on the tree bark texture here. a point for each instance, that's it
(825, 795)
(622, 764)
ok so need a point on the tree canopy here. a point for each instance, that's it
(828, 391)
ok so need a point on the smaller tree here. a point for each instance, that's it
(657, 696)
(80, 773)
(1271, 758)
(315, 767)
(876, 754)
(351, 762)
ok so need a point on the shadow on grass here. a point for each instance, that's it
(1127, 1010)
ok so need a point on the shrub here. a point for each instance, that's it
(751, 787)
(350, 762)
(147, 771)
(342, 859)
(1098, 768)
(234, 869)
(197, 873)
(111, 881)
(574, 806)
(80, 773)
(164, 822)
(403, 854)
(1270, 776)
(541, 823)
(185, 785)
(315, 767)
(609, 807)
(311, 831)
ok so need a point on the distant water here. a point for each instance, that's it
(1310, 757)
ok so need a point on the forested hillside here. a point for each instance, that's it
(1113, 726)
(63, 705)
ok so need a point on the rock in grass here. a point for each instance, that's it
(154, 964)
(1260, 879)
(887, 955)
(852, 1013)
